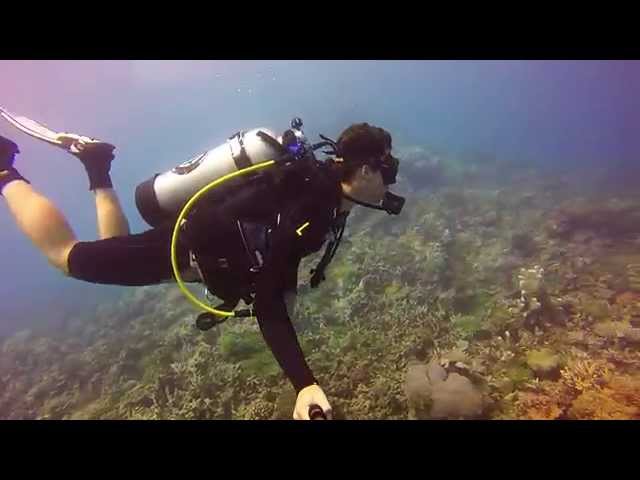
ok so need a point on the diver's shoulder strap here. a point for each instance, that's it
(317, 273)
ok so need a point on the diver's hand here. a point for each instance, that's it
(311, 395)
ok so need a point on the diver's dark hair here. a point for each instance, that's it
(358, 145)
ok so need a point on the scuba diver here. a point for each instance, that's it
(243, 240)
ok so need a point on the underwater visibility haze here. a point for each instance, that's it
(507, 288)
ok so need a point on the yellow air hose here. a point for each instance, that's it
(176, 230)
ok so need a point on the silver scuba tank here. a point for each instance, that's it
(160, 198)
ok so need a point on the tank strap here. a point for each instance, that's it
(238, 152)
(255, 241)
(193, 262)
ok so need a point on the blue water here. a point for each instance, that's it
(160, 113)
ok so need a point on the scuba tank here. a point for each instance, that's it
(160, 198)
(158, 204)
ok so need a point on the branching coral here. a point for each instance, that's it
(585, 374)
(618, 400)
(258, 410)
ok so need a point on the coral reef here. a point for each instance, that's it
(544, 363)
(633, 274)
(523, 244)
(585, 374)
(538, 406)
(603, 220)
(619, 399)
(432, 392)
(465, 306)
(614, 330)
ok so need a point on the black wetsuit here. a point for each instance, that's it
(299, 211)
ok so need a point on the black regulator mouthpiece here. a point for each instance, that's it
(391, 203)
